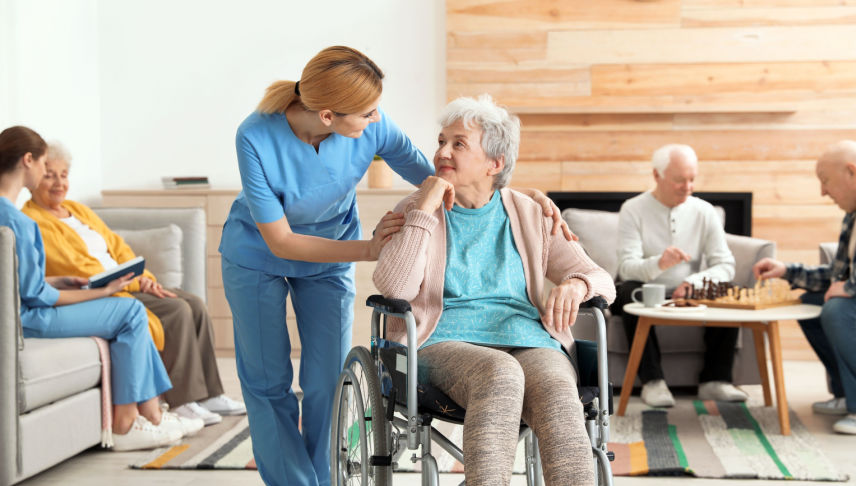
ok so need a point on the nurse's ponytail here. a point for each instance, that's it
(340, 79)
(16, 142)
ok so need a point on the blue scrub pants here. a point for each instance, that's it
(137, 373)
(290, 450)
(833, 337)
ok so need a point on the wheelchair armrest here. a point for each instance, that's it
(388, 306)
(596, 301)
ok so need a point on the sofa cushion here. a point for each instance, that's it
(52, 369)
(162, 249)
(598, 233)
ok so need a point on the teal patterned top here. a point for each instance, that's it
(484, 293)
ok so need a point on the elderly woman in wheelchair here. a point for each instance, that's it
(471, 259)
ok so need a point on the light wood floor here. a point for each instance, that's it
(804, 379)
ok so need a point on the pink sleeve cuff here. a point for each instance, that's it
(584, 278)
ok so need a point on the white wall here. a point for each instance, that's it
(50, 79)
(178, 77)
(139, 90)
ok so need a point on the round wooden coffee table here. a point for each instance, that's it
(759, 321)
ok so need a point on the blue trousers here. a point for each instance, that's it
(289, 449)
(833, 337)
(137, 373)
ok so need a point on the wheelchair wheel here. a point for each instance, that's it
(360, 433)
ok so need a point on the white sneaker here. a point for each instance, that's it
(847, 425)
(721, 391)
(655, 393)
(186, 425)
(144, 435)
(224, 406)
(835, 406)
(193, 410)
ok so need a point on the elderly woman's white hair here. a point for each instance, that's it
(663, 156)
(500, 130)
(57, 151)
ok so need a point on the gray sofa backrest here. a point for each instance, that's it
(192, 224)
(10, 339)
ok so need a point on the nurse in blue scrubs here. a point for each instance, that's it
(294, 229)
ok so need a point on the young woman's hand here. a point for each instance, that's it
(435, 191)
(149, 286)
(551, 211)
(564, 303)
(118, 284)
(390, 224)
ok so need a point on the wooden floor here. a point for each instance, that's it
(804, 381)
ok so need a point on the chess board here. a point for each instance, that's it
(746, 305)
(768, 293)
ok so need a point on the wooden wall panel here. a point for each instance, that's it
(708, 144)
(746, 17)
(542, 15)
(806, 78)
(728, 44)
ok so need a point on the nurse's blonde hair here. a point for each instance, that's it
(338, 78)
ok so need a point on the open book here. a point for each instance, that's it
(135, 265)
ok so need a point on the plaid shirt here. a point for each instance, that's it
(819, 278)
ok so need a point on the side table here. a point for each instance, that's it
(759, 321)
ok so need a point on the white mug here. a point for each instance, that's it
(653, 294)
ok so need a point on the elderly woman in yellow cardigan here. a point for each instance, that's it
(77, 242)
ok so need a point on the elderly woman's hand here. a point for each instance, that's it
(149, 286)
(563, 304)
(434, 192)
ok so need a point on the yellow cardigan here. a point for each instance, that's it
(66, 253)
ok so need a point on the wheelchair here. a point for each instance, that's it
(380, 410)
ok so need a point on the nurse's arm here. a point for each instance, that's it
(73, 296)
(293, 246)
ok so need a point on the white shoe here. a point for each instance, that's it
(224, 406)
(721, 391)
(847, 425)
(655, 393)
(144, 435)
(193, 410)
(835, 406)
(186, 425)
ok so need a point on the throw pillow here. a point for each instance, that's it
(598, 233)
(161, 248)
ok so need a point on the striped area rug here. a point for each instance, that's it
(223, 446)
(716, 440)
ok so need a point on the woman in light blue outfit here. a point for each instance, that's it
(301, 155)
(56, 307)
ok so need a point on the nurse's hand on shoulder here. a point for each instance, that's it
(435, 191)
(552, 211)
(389, 225)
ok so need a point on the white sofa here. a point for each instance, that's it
(50, 395)
(682, 348)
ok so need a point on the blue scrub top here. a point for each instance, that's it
(283, 176)
(37, 296)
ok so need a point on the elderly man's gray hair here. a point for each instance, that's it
(500, 130)
(663, 156)
(57, 151)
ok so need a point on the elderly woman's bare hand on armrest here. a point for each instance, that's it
(564, 302)
(149, 286)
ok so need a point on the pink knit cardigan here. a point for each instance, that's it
(412, 266)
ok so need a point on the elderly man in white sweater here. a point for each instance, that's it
(664, 235)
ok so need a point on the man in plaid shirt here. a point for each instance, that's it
(833, 334)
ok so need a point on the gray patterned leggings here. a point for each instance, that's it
(498, 386)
